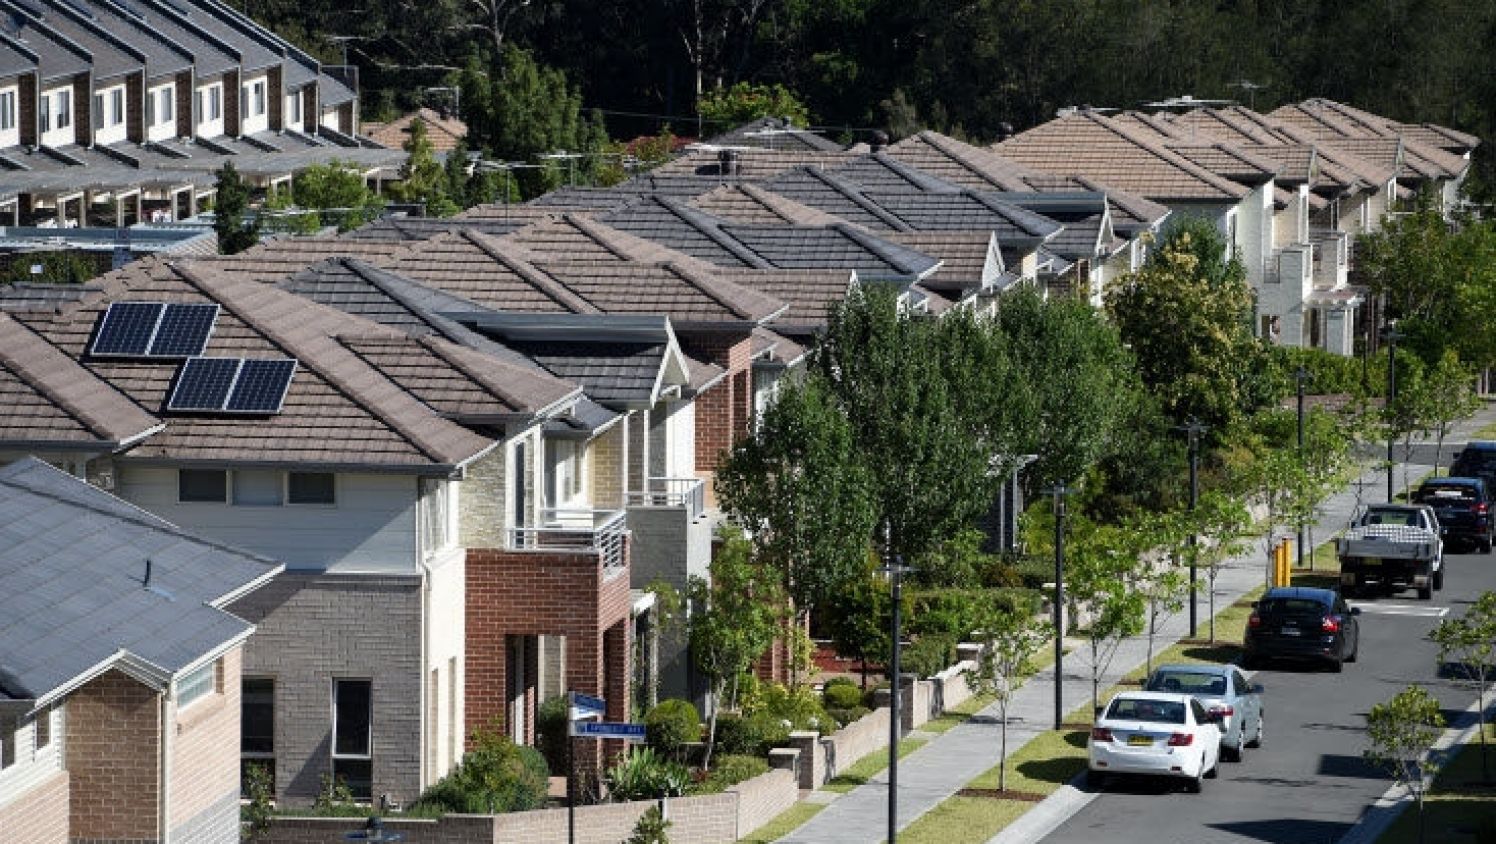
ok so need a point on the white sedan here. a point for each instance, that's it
(1155, 734)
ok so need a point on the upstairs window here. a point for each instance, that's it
(196, 684)
(202, 486)
(311, 488)
(7, 109)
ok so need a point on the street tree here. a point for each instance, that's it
(798, 485)
(1218, 523)
(1009, 641)
(1160, 541)
(1402, 731)
(734, 618)
(1412, 408)
(237, 230)
(1187, 316)
(1099, 562)
(1451, 398)
(858, 618)
(1275, 479)
(1468, 645)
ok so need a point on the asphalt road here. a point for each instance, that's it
(1308, 783)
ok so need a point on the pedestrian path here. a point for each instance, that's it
(947, 763)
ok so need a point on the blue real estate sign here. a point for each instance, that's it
(608, 730)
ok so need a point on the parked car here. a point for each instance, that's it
(1463, 506)
(1154, 734)
(1224, 692)
(1476, 460)
(1297, 622)
(1390, 547)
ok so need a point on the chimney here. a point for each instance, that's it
(880, 140)
(727, 163)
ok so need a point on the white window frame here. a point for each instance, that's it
(55, 112)
(199, 683)
(161, 112)
(10, 127)
(566, 472)
(292, 114)
(210, 109)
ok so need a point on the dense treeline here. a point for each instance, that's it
(965, 67)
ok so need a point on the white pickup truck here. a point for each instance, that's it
(1391, 547)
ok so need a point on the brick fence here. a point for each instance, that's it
(708, 819)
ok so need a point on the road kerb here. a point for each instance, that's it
(1047, 815)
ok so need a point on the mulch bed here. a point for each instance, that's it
(1010, 794)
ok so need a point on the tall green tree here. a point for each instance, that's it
(1187, 316)
(422, 177)
(798, 485)
(742, 102)
(236, 228)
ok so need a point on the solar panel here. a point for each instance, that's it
(261, 387)
(127, 328)
(204, 384)
(184, 330)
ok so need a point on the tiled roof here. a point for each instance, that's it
(836, 247)
(772, 346)
(424, 228)
(1351, 128)
(574, 198)
(444, 131)
(88, 582)
(1093, 146)
(57, 55)
(210, 56)
(505, 211)
(963, 255)
(845, 199)
(254, 53)
(965, 211)
(162, 55)
(278, 259)
(961, 163)
(810, 294)
(613, 373)
(681, 293)
(46, 397)
(109, 59)
(339, 411)
(16, 59)
(752, 164)
(775, 134)
(679, 226)
(748, 203)
(1229, 161)
(1441, 137)
(884, 172)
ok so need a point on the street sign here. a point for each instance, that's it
(607, 730)
(585, 706)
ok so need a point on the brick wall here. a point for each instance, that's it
(313, 628)
(854, 741)
(26, 94)
(535, 593)
(482, 498)
(205, 753)
(275, 97)
(113, 756)
(41, 816)
(708, 819)
(606, 475)
(231, 103)
(723, 410)
(135, 107)
(185, 99)
(82, 111)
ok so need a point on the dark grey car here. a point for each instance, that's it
(1223, 690)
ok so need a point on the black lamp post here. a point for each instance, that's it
(1059, 491)
(895, 569)
(1193, 429)
(1301, 376)
(1391, 335)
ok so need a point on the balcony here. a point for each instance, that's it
(689, 493)
(1332, 258)
(579, 530)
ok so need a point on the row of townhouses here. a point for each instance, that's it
(114, 112)
(432, 465)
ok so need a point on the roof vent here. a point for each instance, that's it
(880, 140)
(728, 163)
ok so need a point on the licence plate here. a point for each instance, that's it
(1371, 561)
(1290, 631)
(1140, 741)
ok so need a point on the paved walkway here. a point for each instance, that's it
(949, 762)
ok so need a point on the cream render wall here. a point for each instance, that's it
(204, 772)
(34, 766)
(445, 623)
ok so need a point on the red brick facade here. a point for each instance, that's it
(113, 757)
(725, 410)
(534, 593)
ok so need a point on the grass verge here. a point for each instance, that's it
(1459, 808)
(868, 766)
(784, 823)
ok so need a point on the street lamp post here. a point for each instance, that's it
(1194, 428)
(1059, 491)
(895, 569)
(1391, 335)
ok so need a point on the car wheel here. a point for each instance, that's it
(1337, 666)
(1195, 784)
(1231, 754)
(1096, 780)
(1257, 736)
(1355, 652)
(1251, 662)
(1485, 545)
(1215, 770)
(1425, 593)
(1439, 579)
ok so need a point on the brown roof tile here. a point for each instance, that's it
(444, 132)
(753, 164)
(274, 260)
(810, 294)
(963, 255)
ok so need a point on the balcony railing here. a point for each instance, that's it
(689, 493)
(578, 529)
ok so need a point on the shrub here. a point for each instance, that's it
(651, 828)
(729, 771)
(753, 735)
(495, 776)
(671, 725)
(551, 721)
(645, 775)
(929, 654)
(798, 708)
(958, 612)
(845, 716)
(841, 696)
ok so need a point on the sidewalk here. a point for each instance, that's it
(950, 761)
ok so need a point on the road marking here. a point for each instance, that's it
(1414, 610)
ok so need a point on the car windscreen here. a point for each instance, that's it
(1474, 460)
(1432, 494)
(1404, 518)
(1187, 682)
(1290, 606)
(1136, 709)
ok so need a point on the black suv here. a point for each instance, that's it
(1463, 506)
(1297, 622)
(1476, 460)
